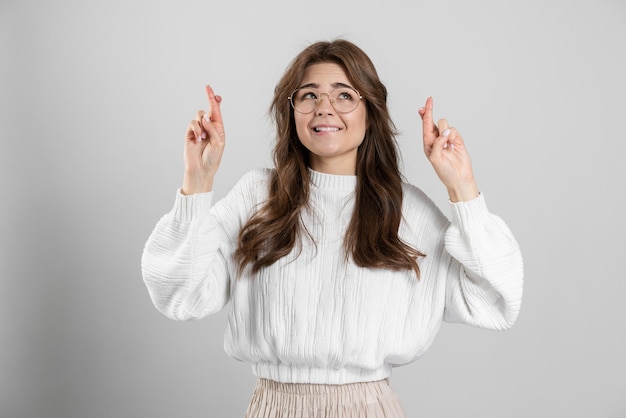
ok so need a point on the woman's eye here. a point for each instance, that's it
(344, 96)
(309, 96)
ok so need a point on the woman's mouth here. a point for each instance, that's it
(325, 128)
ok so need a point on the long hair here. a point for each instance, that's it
(372, 237)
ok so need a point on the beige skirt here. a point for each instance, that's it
(297, 400)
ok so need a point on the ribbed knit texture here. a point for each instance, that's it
(315, 317)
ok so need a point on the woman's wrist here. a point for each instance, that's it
(463, 192)
(195, 184)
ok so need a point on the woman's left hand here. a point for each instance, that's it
(446, 151)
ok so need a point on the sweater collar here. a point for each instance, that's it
(325, 181)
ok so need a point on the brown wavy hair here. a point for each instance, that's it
(372, 237)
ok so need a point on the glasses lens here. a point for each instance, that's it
(343, 99)
(304, 100)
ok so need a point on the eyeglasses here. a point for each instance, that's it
(343, 99)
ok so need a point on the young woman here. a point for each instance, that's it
(334, 269)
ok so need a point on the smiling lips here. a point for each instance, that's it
(325, 128)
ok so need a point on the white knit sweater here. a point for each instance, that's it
(313, 317)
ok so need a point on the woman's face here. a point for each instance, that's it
(331, 137)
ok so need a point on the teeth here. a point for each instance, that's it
(325, 129)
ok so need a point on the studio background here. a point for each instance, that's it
(95, 98)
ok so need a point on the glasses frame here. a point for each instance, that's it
(330, 100)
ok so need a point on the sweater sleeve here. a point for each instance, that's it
(485, 278)
(186, 262)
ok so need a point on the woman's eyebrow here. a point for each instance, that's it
(335, 85)
(317, 86)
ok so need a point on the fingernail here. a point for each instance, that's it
(446, 132)
(207, 117)
(203, 135)
(445, 145)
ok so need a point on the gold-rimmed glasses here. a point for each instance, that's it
(344, 99)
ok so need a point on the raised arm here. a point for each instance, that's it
(485, 275)
(184, 262)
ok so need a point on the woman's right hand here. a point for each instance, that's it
(204, 146)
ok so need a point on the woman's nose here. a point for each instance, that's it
(324, 105)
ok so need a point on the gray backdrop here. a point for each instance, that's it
(95, 98)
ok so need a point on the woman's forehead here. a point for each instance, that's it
(325, 74)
